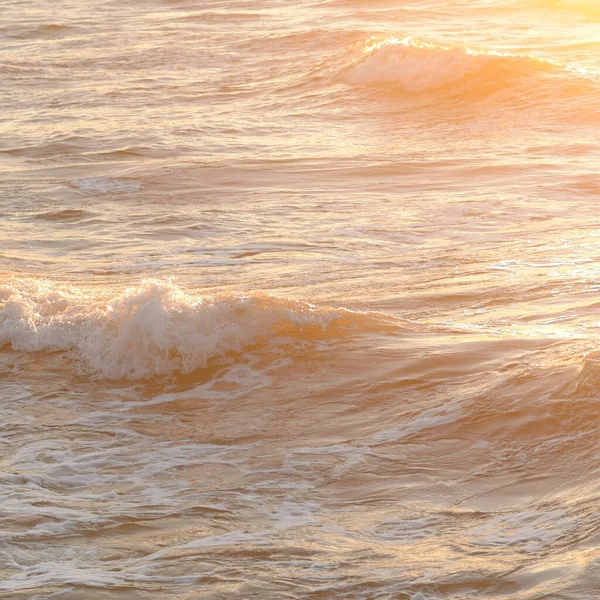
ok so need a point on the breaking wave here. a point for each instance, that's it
(154, 329)
(416, 66)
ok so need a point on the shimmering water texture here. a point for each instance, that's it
(299, 300)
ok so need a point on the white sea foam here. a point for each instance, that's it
(60, 487)
(290, 514)
(154, 329)
(430, 418)
(237, 381)
(105, 185)
(405, 531)
(532, 530)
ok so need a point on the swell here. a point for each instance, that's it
(416, 67)
(156, 328)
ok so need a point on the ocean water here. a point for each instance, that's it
(299, 300)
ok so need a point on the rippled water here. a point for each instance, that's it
(299, 300)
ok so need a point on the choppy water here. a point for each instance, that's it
(299, 300)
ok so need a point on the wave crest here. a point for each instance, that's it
(418, 66)
(153, 329)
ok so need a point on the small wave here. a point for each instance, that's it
(67, 214)
(152, 330)
(45, 30)
(416, 66)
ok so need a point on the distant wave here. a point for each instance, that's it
(416, 66)
(35, 31)
(67, 214)
(154, 329)
(588, 8)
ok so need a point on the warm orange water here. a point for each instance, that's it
(299, 300)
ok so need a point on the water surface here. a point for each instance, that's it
(299, 300)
